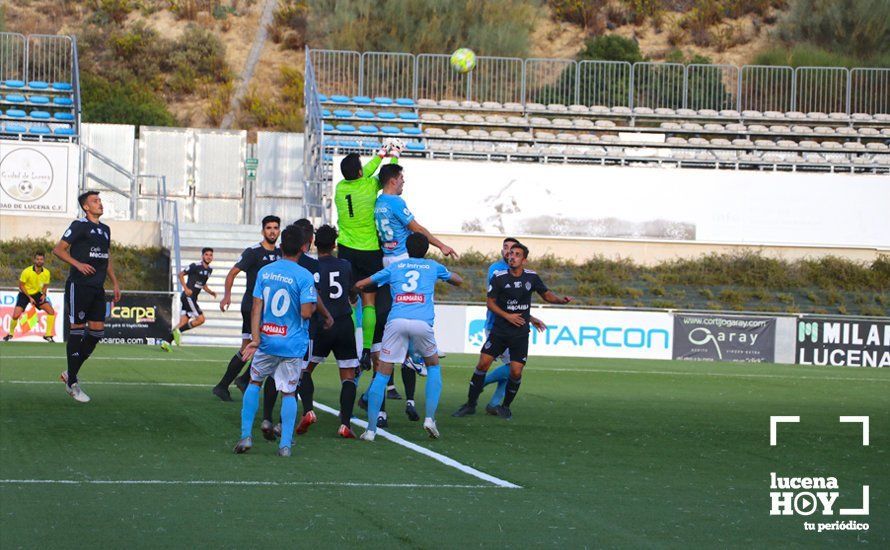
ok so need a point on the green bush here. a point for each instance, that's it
(130, 102)
(858, 28)
(580, 12)
(611, 47)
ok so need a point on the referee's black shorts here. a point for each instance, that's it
(22, 300)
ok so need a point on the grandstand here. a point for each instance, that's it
(825, 119)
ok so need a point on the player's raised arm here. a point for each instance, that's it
(455, 279)
(415, 227)
(227, 295)
(550, 297)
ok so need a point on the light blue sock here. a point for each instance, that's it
(249, 405)
(433, 389)
(499, 376)
(375, 399)
(288, 420)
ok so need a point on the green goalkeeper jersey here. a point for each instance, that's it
(355, 200)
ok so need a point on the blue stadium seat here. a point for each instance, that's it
(327, 157)
(39, 99)
(342, 113)
(40, 115)
(67, 117)
(368, 129)
(349, 143)
(38, 85)
(361, 99)
(412, 131)
(62, 87)
(383, 100)
(390, 130)
(365, 115)
(12, 128)
(328, 127)
(15, 98)
(346, 128)
(39, 129)
(339, 99)
(386, 115)
(415, 146)
(405, 102)
(322, 98)
(407, 115)
(14, 83)
(63, 101)
(331, 143)
(371, 144)
(16, 113)
(63, 131)
(325, 112)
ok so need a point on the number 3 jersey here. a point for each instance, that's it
(284, 287)
(412, 283)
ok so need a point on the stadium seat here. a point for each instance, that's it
(885, 132)
(339, 99)
(544, 135)
(831, 145)
(664, 111)
(604, 124)
(371, 144)
(599, 109)
(563, 122)
(742, 142)
(535, 107)
(63, 101)
(795, 115)
(495, 119)
(686, 112)
(522, 135)
(405, 101)
(14, 84)
(328, 127)
(698, 141)
(798, 129)
(63, 131)
(368, 129)
(38, 85)
(764, 143)
(758, 128)
(474, 118)
(711, 127)
(67, 117)
(853, 146)
(582, 123)
(322, 98)
(16, 113)
(452, 117)
(430, 117)
(500, 134)
(365, 115)
(415, 146)
(483, 147)
(643, 111)
(449, 103)
(456, 132)
(346, 128)
(327, 157)
(512, 106)
(669, 126)
(477, 133)
(325, 112)
(434, 131)
(752, 114)
(838, 116)
(331, 143)
(779, 129)
(861, 117)
(816, 115)
(343, 113)
(383, 100)
(411, 131)
(492, 105)
(735, 127)
(729, 113)
(721, 142)
(39, 129)
(39, 99)
(13, 128)
(578, 109)
(386, 115)
(361, 99)
(424, 102)
(787, 144)
(62, 87)
(350, 144)
(621, 110)
(846, 130)
(692, 126)
(707, 113)
(390, 130)
(471, 105)
(869, 132)
(808, 144)
(539, 121)
(557, 108)
(408, 115)
(674, 140)
(876, 146)
(565, 136)
(15, 98)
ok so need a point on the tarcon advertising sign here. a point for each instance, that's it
(724, 338)
(32, 324)
(650, 203)
(839, 342)
(587, 333)
(37, 179)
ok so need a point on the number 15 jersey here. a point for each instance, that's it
(412, 283)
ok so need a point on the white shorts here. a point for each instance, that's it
(504, 357)
(285, 370)
(399, 332)
(389, 260)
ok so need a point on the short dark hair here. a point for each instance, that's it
(305, 224)
(417, 245)
(521, 247)
(292, 240)
(39, 253)
(388, 172)
(351, 166)
(82, 199)
(205, 250)
(270, 219)
(511, 240)
(325, 239)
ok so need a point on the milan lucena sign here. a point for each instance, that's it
(839, 342)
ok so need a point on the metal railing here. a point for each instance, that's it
(607, 83)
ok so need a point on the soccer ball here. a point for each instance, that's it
(463, 60)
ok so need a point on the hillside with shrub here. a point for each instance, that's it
(178, 62)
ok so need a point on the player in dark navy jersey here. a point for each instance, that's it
(509, 298)
(193, 280)
(250, 262)
(86, 247)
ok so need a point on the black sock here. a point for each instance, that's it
(347, 400)
(409, 378)
(512, 390)
(88, 344)
(186, 327)
(232, 371)
(168, 338)
(477, 384)
(270, 394)
(307, 390)
(75, 337)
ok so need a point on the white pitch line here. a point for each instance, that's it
(239, 483)
(540, 369)
(361, 423)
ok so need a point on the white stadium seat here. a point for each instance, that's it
(535, 107)
(831, 145)
(869, 132)
(544, 135)
(714, 127)
(478, 133)
(838, 116)
(522, 135)
(798, 129)
(539, 121)
(470, 104)
(779, 129)
(473, 118)
(517, 120)
(599, 109)
(752, 114)
(676, 141)
(708, 112)
(796, 115)
(566, 137)
(448, 103)
(434, 131)
(424, 102)
(495, 119)
(736, 127)
(582, 123)
(643, 111)
(604, 124)
(854, 146)
(578, 108)
(807, 144)
(742, 142)
(557, 108)
(861, 117)
(846, 130)
(692, 126)
(669, 126)
(561, 122)
(513, 106)
(430, 117)
(876, 146)
(698, 141)
(686, 112)
(757, 128)
(491, 105)
(764, 143)
(456, 132)
(723, 142)
(500, 134)
(621, 110)
(452, 117)
(816, 115)
(665, 111)
(773, 114)
(787, 143)
(731, 113)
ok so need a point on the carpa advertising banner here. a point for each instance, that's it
(724, 338)
(137, 319)
(843, 343)
(587, 333)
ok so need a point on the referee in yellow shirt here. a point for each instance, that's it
(33, 284)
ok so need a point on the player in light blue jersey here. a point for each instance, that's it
(284, 298)
(500, 375)
(412, 285)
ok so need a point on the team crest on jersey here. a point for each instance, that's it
(410, 298)
(274, 330)
(528, 286)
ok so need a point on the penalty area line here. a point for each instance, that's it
(238, 483)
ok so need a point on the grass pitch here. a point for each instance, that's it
(607, 452)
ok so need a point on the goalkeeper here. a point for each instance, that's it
(354, 198)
